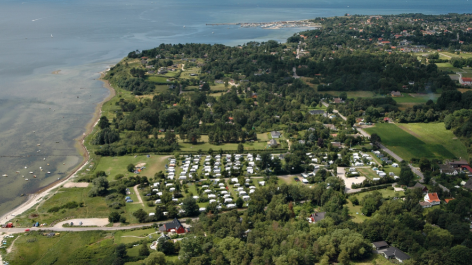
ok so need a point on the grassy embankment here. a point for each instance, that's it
(430, 140)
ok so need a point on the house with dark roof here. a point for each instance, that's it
(174, 226)
(468, 184)
(380, 245)
(418, 185)
(448, 169)
(272, 143)
(316, 217)
(275, 134)
(395, 253)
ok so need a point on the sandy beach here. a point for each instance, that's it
(37, 197)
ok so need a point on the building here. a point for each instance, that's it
(273, 143)
(448, 169)
(338, 101)
(467, 81)
(395, 94)
(275, 134)
(468, 184)
(175, 225)
(380, 245)
(432, 198)
(425, 204)
(395, 253)
(423, 188)
(316, 217)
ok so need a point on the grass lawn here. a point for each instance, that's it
(422, 140)
(94, 207)
(158, 79)
(219, 87)
(117, 165)
(367, 172)
(444, 65)
(375, 258)
(57, 249)
(205, 145)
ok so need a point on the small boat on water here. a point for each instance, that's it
(49, 172)
(23, 176)
(18, 172)
(26, 179)
(34, 176)
(39, 144)
(26, 167)
(5, 175)
(31, 172)
(44, 159)
(48, 164)
(22, 195)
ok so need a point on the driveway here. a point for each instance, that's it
(349, 181)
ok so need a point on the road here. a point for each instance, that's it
(385, 149)
(295, 72)
(81, 229)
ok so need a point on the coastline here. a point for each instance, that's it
(38, 196)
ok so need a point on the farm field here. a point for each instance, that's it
(419, 140)
(435, 133)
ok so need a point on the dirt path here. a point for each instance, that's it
(10, 248)
(138, 195)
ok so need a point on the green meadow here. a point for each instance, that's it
(430, 140)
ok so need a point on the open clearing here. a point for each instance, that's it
(76, 185)
(419, 140)
(113, 166)
(350, 94)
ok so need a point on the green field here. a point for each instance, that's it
(204, 145)
(351, 94)
(94, 207)
(429, 140)
(158, 79)
(117, 165)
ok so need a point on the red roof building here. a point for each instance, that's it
(432, 198)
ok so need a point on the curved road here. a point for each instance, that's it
(381, 146)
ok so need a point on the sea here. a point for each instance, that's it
(52, 51)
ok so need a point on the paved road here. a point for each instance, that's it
(385, 149)
(80, 229)
(349, 181)
(295, 72)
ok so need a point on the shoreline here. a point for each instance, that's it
(38, 196)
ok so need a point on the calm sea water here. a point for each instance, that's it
(82, 38)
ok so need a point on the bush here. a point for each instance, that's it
(130, 168)
(54, 209)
